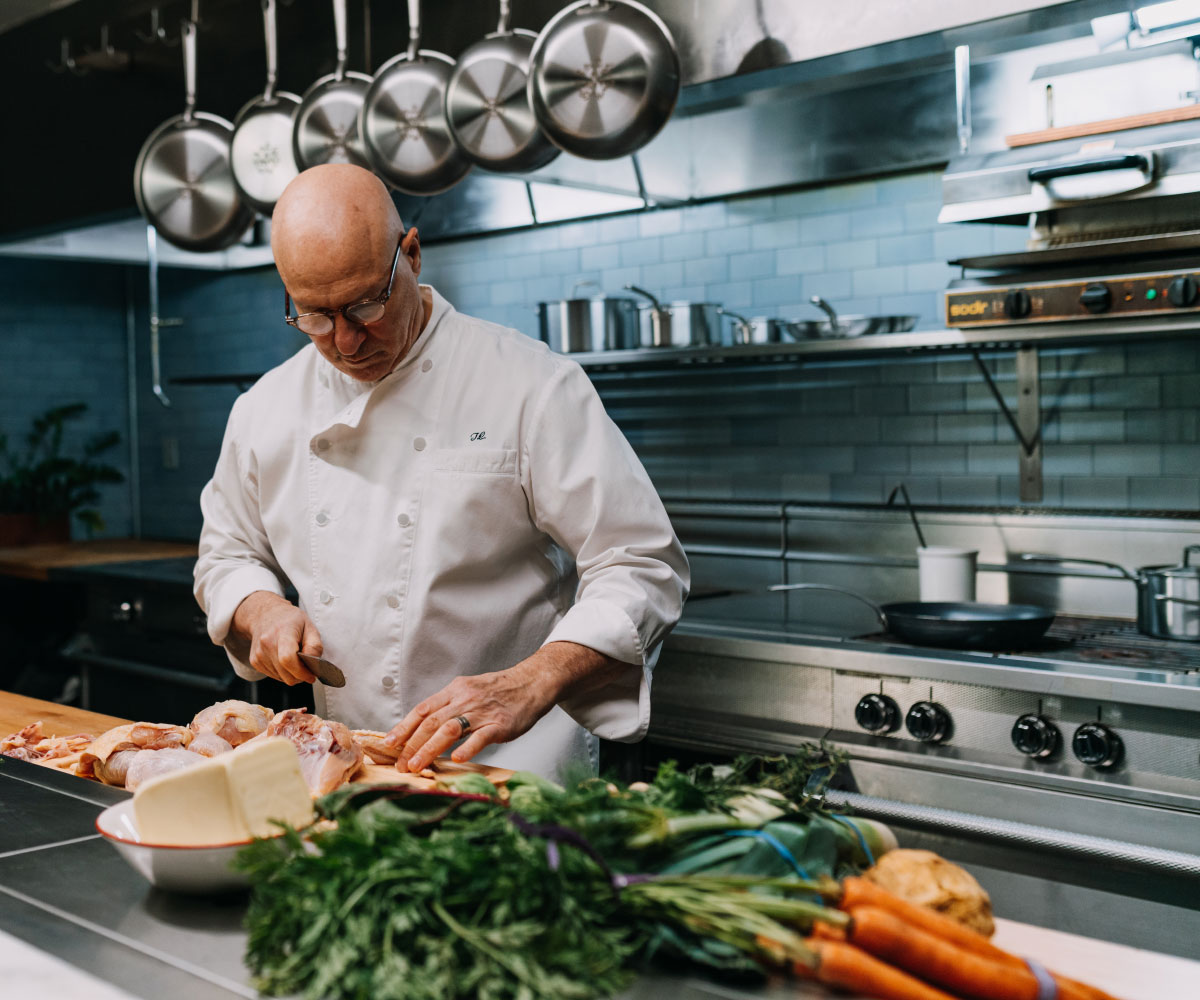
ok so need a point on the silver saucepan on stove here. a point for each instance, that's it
(598, 323)
(755, 330)
(1168, 597)
(838, 326)
(678, 324)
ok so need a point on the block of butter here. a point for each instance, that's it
(227, 798)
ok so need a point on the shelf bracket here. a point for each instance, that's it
(1026, 424)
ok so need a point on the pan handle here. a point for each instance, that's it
(1177, 600)
(1059, 560)
(837, 590)
(414, 27)
(641, 291)
(339, 35)
(268, 7)
(187, 32)
(502, 25)
(1187, 554)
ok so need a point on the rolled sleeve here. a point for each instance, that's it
(590, 493)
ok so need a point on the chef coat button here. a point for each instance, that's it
(322, 444)
(426, 365)
(403, 520)
(322, 518)
(419, 444)
(393, 600)
(388, 683)
(325, 596)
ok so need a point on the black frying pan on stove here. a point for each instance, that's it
(950, 624)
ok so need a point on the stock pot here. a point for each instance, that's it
(677, 324)
(598, 323)
(1168, 597)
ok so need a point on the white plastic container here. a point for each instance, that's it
(946, 573)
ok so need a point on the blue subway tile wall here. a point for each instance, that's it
(64, 332)
(1121, 422)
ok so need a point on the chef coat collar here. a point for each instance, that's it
(360, 392)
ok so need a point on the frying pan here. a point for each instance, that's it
(603, 78)
(261, 147)
(403, 119)
(953, 624)
(326, 128)
(487, 102)
(182, 180)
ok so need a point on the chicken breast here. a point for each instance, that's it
(147, 764)
(209, 745)
(234, 721)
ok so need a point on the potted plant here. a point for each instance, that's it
(41, 487)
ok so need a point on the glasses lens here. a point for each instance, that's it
(314, 324)
(365, 312)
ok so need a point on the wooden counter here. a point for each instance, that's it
(17, 711)
(34, 562)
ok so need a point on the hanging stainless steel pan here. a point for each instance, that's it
(261, 148)
(326, 128)
(952, 624)
(487, 102)
(603, 78)
(182, 180)
(403, 120)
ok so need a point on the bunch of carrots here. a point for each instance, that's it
(888, 948)
(850, 934)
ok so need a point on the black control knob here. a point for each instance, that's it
(1035, 736)
(1183, 292)
(1096, 745)
(877, 713)
(1096, 298)
(928, 722)
(1017, 304)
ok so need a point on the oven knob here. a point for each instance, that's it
(877, 713)
(1035, 736)
(1096, 745)
(928, 722)
(1096, 298)
(1183, 291)
(1017, 304)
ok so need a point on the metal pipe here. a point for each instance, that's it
(1118, 853)
(150, 672)
(962, 96)
(135, 461)
(155, 319)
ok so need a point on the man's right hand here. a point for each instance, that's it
(276, 630)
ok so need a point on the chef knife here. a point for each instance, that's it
(326, 672)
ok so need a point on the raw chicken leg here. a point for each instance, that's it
(329, 756)
(111, 753)
(234, 721)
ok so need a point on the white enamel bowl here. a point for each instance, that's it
(177, 869)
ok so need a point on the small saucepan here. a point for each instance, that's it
(677, 324)
(1168, 597)
(952, 624)
(755, 330)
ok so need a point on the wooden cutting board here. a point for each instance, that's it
(34, 562)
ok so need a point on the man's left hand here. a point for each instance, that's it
(498, 706)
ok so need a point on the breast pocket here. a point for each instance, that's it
(477, 461)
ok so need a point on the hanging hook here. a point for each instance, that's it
(66, 61)
(157, 32)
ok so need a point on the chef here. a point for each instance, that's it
(472, 539)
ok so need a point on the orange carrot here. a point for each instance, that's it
(827, 932)
(841, 964)
(858, 892)
(888, 937)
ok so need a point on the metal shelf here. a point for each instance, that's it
(948, 340)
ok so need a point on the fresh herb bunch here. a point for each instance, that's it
(392, 906)
(41, 480)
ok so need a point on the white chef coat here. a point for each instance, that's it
(449, 519)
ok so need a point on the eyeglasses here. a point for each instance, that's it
(321, 321)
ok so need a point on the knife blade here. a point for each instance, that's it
(327, 673)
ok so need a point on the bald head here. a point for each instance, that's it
(329, 221)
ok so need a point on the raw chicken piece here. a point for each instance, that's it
(328, 753)
(372, 743)
(32, 745)
(209, 745)
(234, 721)
(146, 764)
(111, 753)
